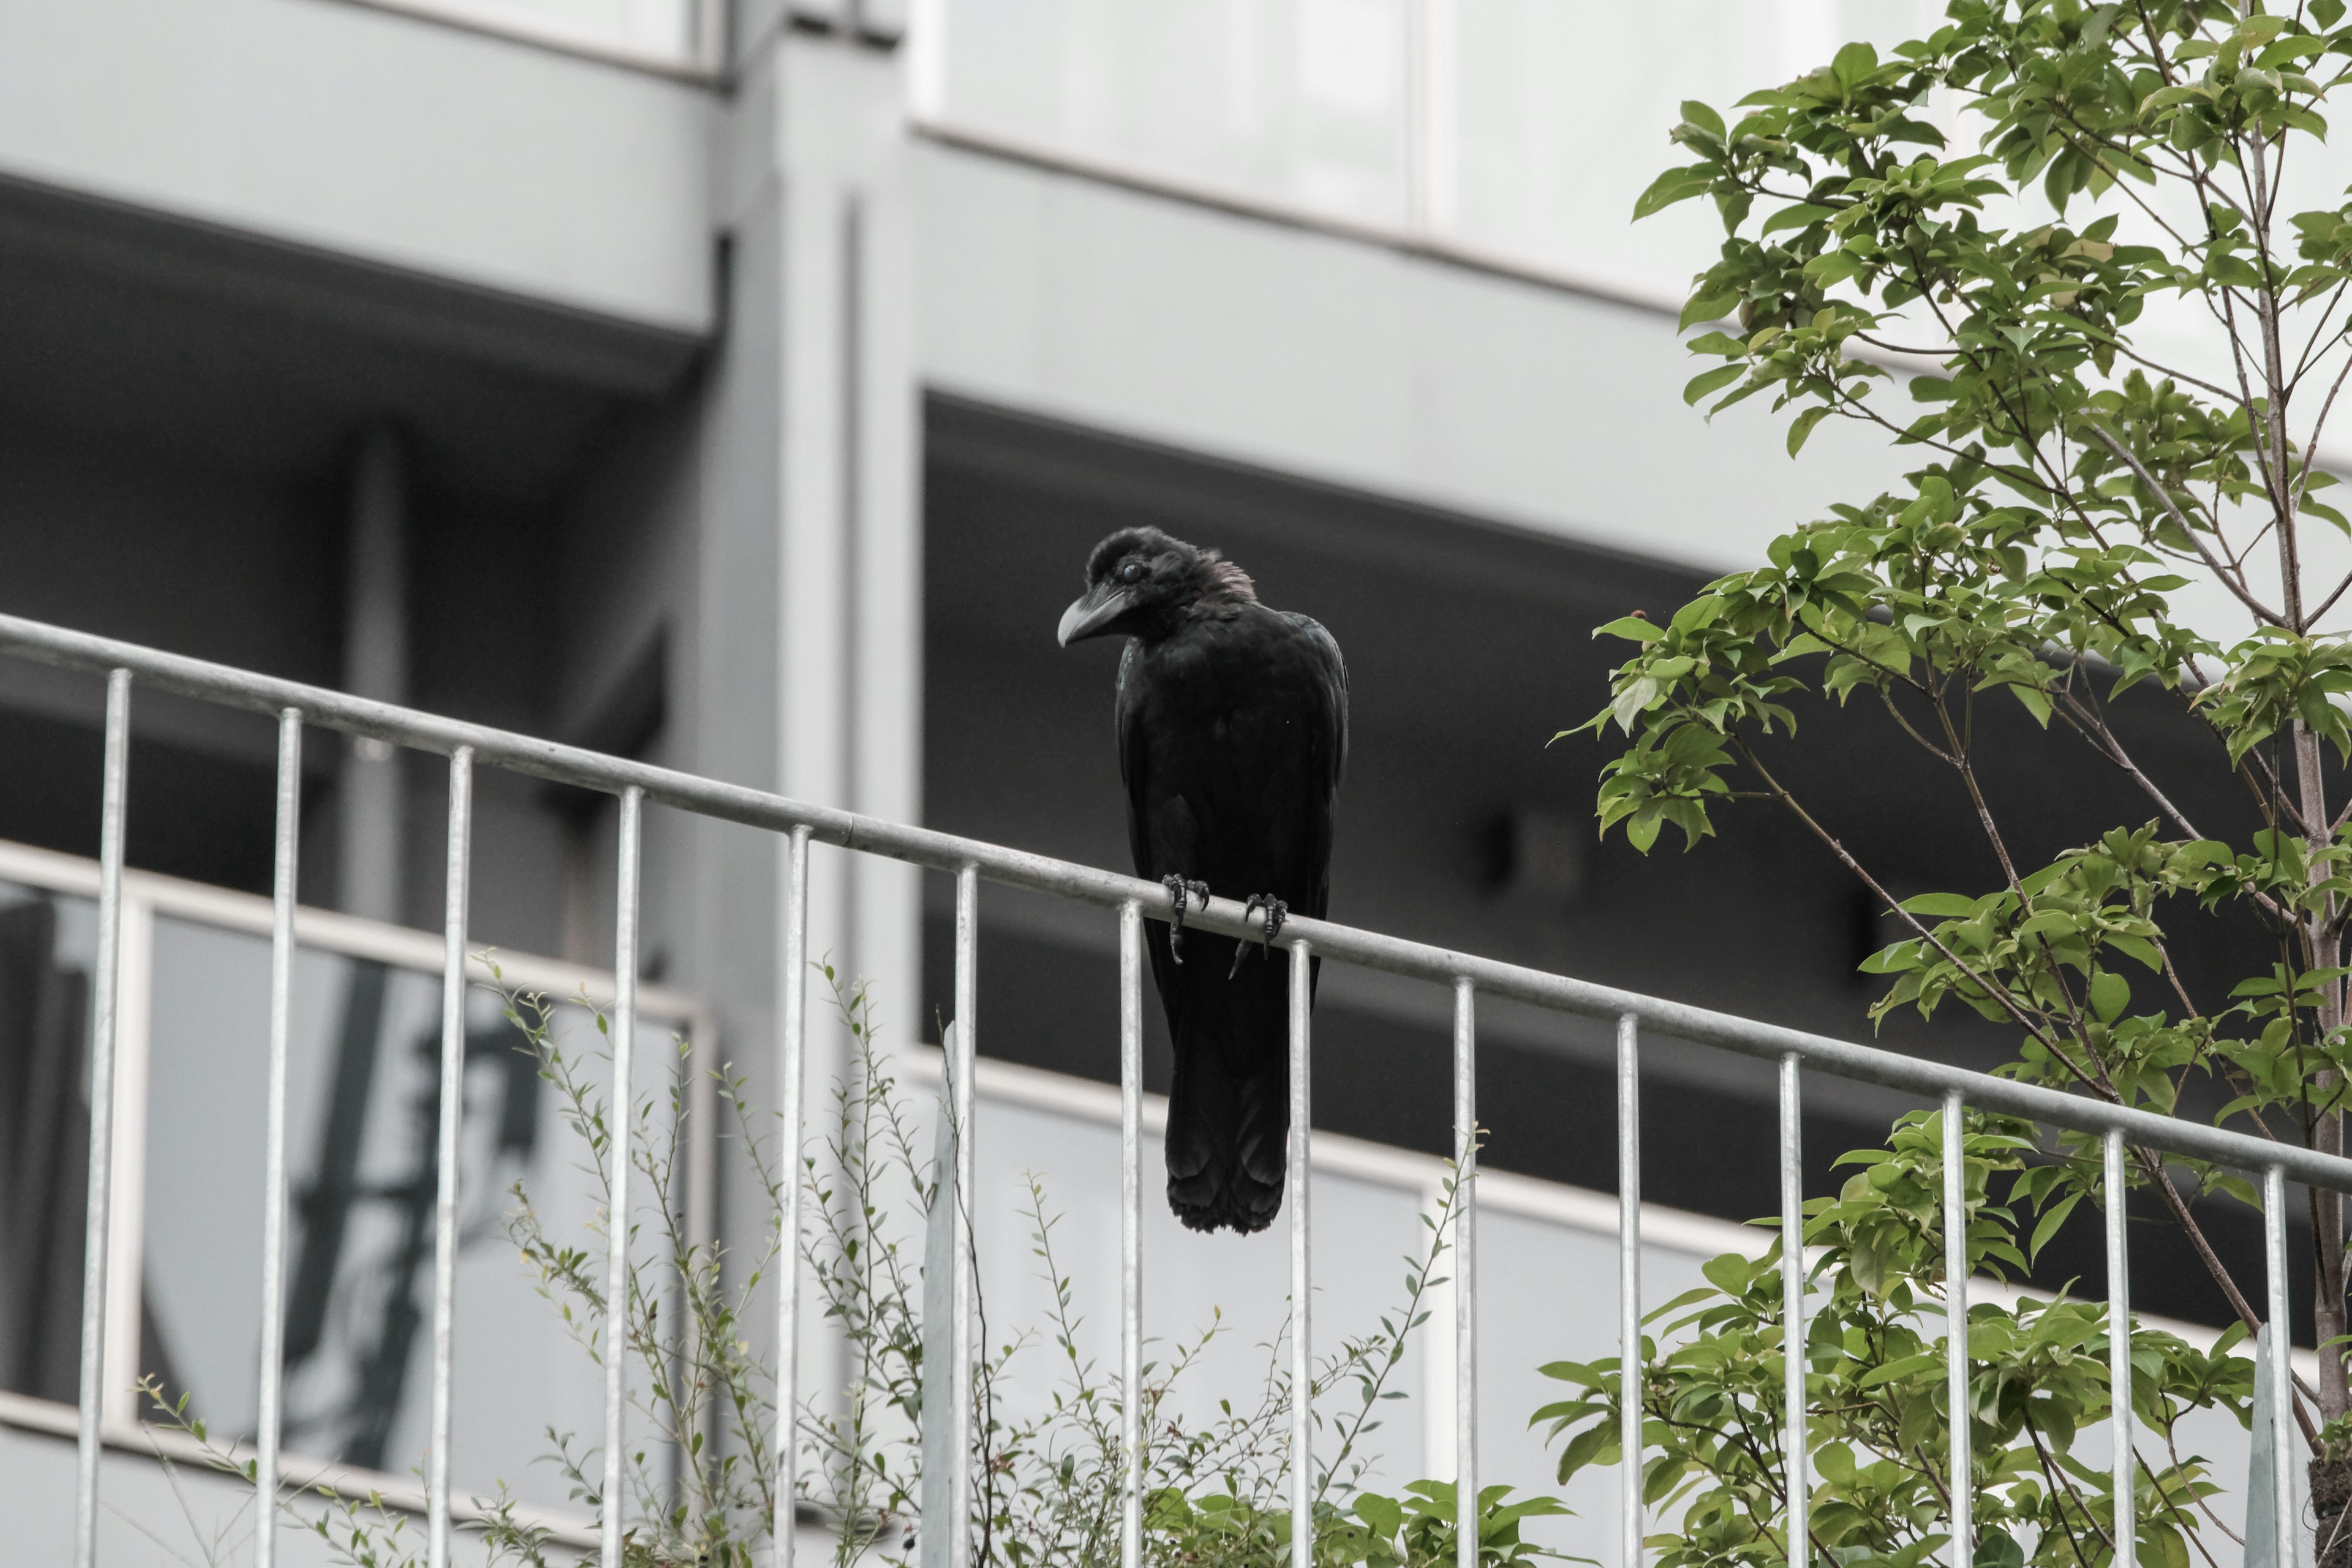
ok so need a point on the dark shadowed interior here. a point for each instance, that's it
(1463, 822)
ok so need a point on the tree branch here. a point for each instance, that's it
(2230, 579)
(1779, 791)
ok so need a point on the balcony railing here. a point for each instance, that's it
(191, 1017)
(798, 826)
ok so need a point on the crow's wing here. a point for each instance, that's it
(1135, 762)
(1231, 740)
(1326, 716)
(1152, 863)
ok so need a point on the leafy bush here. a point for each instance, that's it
(1714, 1404)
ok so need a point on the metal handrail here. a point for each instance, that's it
(293, 704)
(947, 852)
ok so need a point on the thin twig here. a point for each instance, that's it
(2229, 580)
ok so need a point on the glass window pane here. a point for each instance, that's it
(48, 947)
(1303, 100)
(658, 29)
(1561, 109)
(361, 1117)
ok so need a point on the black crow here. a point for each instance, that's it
(1233, 728)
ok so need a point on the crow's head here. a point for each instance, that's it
(1142, 584)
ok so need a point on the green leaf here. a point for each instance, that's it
(1700, 115)
(1854, 62)
(1943, 906)
(2052, 1218)
(1796, 217)
(1721, 376)
(1995, 1548)
(2110, 995)
(1705, 307)
(1674, 186)
(1385, 1515)
(1802, 427)
(1632, 629)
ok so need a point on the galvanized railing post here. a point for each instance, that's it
(2120, 1365)
(113, 806)
(1302, 1340)
(1956, 1329)
(1131, 1233)
(271, 1418)
(1466, 1274)
(452, 1112)
(623, 1118)
(962, 1074)
(1628, 1286)
(1792, 1314)
(2282, 1359)
(791, 1050)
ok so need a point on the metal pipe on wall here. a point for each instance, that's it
(372, 834)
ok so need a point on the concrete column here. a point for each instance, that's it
(849, 561)
(370, 843)
(809, 466)
(821, 345)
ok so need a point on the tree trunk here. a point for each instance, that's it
(2331, 1490)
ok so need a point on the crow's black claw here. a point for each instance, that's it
(1276, 911)
(1179, 893)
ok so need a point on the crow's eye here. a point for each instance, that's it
(1131, 572)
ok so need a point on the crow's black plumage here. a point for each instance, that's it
(1232, 730)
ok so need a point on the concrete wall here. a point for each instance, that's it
(1333, 359)
(412, 144)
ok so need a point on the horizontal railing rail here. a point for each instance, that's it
(947, 852)
(1466, 977)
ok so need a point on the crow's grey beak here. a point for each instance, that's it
(1091, 614)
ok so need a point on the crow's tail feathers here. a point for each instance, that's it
(1229, 1116)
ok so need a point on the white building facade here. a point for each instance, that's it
(738, 387)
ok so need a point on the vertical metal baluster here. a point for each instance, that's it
(1130, 1232)
(111, 812)
(1628, 1284)
(273, 1141)
(1302, 1342)
(1792, 1312)
(622, 1114)
(1956, 1329)
(791, 1034)
(960, 1073)
(452, 1108)
(1466, 1273)
(2282, 1362)
(2119, 1368)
